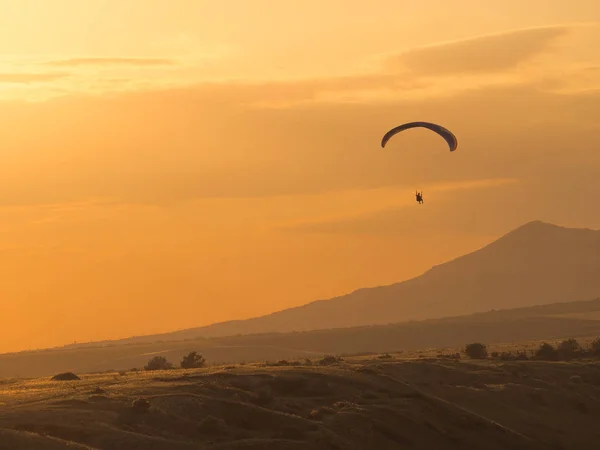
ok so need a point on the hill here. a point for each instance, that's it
(360, 403)
(500, 329)
(537, 263)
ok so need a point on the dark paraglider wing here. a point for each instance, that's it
(445, 133)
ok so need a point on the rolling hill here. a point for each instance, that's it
(360, 403)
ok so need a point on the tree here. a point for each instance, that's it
(546, 352)
(192, 361)
(595, 347)
(568, 349)
(476, 351)
(158, 363)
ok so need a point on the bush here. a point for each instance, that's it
(329, 359)
(546, 352)
(192, 361)
(476, 351)
(568, 349)
(66, 376)
(158, 363)
(595, 347)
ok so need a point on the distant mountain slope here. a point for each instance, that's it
(507, 329)
(536, 264)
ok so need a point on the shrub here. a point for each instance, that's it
(158, 363)
(66, 376)
(192, 361)
(546, 352)
(328, 360)
(476, 351)
(568, 349)
(595, 347)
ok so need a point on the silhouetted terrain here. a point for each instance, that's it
(548, 322)
(537, 263)
(360, 403)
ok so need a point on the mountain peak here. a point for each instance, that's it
(538, 230)
(538, 226)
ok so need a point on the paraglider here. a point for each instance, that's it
(443, 132)
(419, 196)
(448, 136)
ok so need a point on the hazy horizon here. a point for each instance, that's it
(173, 165)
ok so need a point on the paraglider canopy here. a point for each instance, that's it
(445, 133)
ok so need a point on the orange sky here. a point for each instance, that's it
(169, 164)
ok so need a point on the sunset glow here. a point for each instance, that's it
(170, 164)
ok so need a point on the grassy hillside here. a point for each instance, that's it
(360, 403)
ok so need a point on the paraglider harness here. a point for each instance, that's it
(419, 196)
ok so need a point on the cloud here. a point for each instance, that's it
(140, 62)
(171, 146)
(486, 58)
(572, 80)
(27, 78)
(292, 92)
(482, 54)
(370, 217)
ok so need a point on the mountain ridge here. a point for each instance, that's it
(534, 264)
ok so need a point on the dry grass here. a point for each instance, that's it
(409, 400)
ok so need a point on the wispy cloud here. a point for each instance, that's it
(416, 73)
(481, 54)
(27, 78)
(140, 62)
(371, 205)
(572, 80)
(482, 60)
(203, 145)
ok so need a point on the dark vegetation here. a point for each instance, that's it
(191, 361)
(476, 351)
(66, 376)
(566, 350)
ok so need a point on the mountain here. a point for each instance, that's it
(537, 263)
